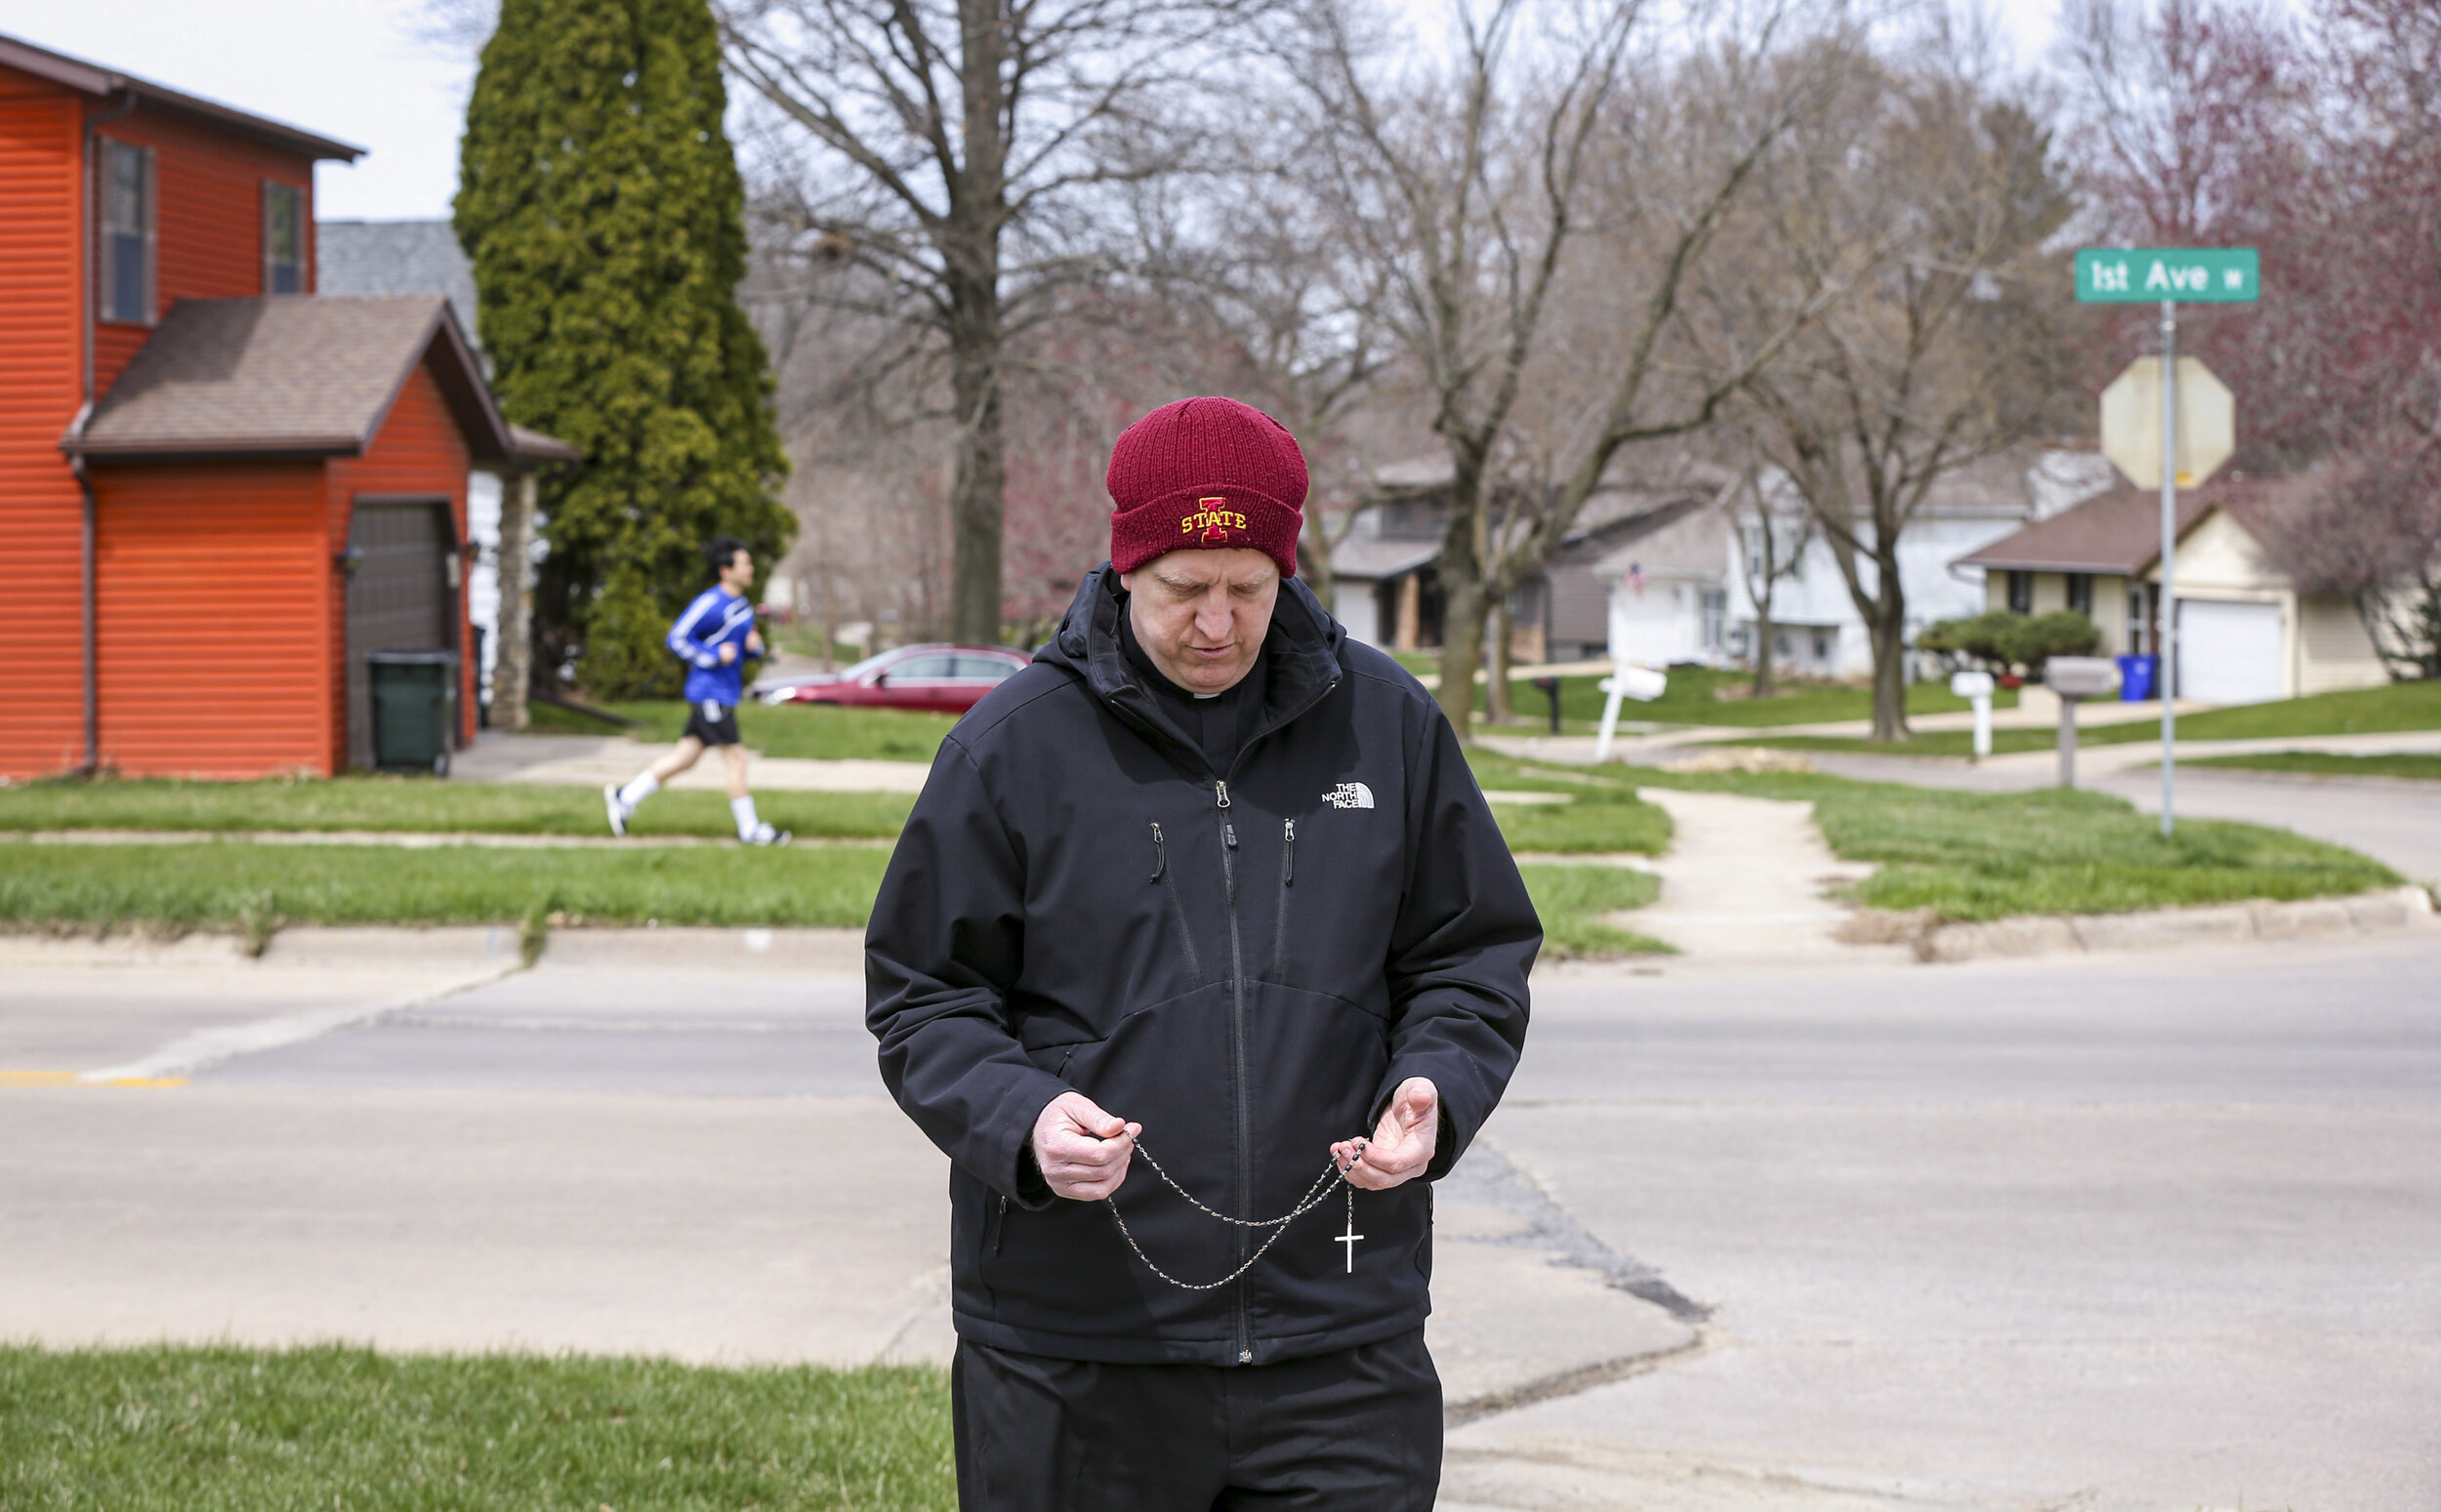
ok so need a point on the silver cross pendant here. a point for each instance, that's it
(1352, 1236)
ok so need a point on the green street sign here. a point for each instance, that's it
(2145, 275)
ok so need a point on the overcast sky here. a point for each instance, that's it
(354, 69)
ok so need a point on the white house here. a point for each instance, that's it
(1816, 629)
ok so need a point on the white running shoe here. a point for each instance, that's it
(618, 810)
(765, 835)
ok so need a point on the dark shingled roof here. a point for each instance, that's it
(2115, 532)
(295, 375)
(2120, 531)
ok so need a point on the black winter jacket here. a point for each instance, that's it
(1247, 962)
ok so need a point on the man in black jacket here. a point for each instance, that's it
(1200, 943)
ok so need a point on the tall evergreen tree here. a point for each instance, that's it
(600, 200)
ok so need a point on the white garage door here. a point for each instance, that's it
(2228, 653)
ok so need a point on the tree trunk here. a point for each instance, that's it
(512, 677)
(1463, 607)
(1463, 613)
(976, 493)
(1888, 628)
(1499, 705)
(1313, 558)
(1762, 636)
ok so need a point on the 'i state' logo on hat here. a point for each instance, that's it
(1213, 522)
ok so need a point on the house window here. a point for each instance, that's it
(1715, 611)
(127, 237)
(1822, 645)
(2080, 592)
(2021, 591)
(283, 238)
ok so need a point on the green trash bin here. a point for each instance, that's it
(415, 710)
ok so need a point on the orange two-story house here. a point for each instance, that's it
(219, 493)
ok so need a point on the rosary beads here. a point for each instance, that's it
(1315, 1198)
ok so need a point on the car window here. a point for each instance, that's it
(984, 668)
(918, 668)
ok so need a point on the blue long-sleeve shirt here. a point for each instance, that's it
(717, 618)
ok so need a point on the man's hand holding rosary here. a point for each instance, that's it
(1084, 1152)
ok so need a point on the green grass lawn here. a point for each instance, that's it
(1572, 900)
(421, 804)
(222, 1429)
(813, 730)
(238, 884)
(2329, 764)
(2397, 705)
(1978, 856)
(1601, 819)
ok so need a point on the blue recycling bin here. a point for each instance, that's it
(2136, 674)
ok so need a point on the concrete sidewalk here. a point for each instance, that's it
(591, 761)
(1744, 882)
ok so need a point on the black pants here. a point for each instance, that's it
(1354, 1429)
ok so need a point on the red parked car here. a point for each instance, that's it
(935, 678)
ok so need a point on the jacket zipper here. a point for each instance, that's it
(1237, 1064)
(1161, 853)
(1000, 1222)
(1287, 879)
(1237, 965)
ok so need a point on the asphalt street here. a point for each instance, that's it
(2139, 1232)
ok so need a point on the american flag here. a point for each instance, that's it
(1636, 578)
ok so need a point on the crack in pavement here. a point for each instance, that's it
(1487, 1178)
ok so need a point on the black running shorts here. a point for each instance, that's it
(715, 724)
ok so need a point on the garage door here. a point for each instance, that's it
(2229, 653)
(398, 599)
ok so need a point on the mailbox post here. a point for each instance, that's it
(1641, 684)
(2076, 679)
(1550, 690)
(1976, 688)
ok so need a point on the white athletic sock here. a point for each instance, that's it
(644, 787)
(747, 823)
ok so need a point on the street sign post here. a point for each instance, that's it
(2130, 275)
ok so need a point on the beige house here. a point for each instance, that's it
(2246, 633)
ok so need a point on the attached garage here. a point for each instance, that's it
(279, 490)
(2231, 653)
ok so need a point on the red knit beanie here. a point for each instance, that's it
(1206, 474)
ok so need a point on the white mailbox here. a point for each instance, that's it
(1641, 684)
(2082, 676)
(2075, 677)
(1976, 688)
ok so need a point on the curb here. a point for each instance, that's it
(463, 947)
(2382, 911)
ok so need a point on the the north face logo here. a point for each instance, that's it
(1349, 794)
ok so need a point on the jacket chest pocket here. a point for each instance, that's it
(1165, 876)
